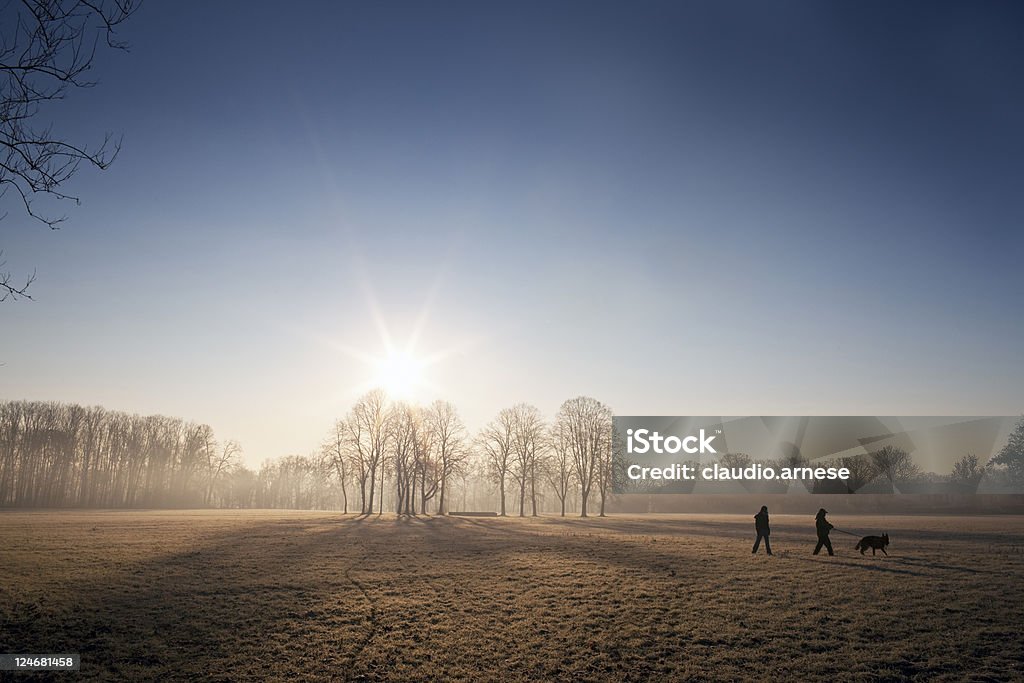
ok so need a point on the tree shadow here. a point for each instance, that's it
(857, 565)
(930, 564)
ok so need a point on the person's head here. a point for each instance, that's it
(764, 508)
(821, 513)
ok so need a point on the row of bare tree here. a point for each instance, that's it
(409, 457)
(63, 455)
(571, 455)
(55, 454)
(380, 455)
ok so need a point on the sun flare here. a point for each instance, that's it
(399, 374)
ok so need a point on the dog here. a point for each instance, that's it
(873, 542)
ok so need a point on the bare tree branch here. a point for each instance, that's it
(11, 289)
(46, 48)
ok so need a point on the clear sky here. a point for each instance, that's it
(678, 208)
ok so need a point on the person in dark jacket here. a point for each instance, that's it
(763, 531)
(823, 527)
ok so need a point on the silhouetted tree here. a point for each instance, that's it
(57, 454)
(367, 431)
(586, 424)
(895, 464)
(608, 469)
(47, 47)
(334, 452)
(450, 446)
(967, 471)
(496, 441)
(1011, 457)
(527, 443)
(404, 426)
(558, 467)
(220, 460)
(861, 469)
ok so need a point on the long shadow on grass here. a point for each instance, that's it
(639, 552)
(930, 564)
(309, 596)
(742, 529)
(856, 565)
(232, 601)
(243, 602)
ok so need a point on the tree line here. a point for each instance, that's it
(66, 455)
(57, 454)
(417, 460)
(381, 456)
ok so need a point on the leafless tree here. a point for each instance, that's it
(57, 454)
(968, 470)
(47, 48)
(861, 469)
(496, 442)
(608, 468)
(404, 444)
(585, 424)
(220, 460)
(240, 487)
(527, 445)
(335, 453)
(449, 435)
(366, 433)
(11, 288)
(895, 464)
(558, 469)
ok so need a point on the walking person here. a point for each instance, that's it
(823, 527)
(763, 531)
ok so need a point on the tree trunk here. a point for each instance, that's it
(373, 489)
(440, 501)
(533, 489)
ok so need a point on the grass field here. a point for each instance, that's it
(280, 595)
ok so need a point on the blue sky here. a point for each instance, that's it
(679, 208)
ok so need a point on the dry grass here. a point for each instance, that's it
(278, 595)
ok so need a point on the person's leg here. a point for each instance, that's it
(817, 548)
(767, 546)
(757, 544)
(828, 544)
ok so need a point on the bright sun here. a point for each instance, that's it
(399, 374)
(403, 371)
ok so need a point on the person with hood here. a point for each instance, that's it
(823, 527)
(763, 531)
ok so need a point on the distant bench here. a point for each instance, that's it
(472, 514)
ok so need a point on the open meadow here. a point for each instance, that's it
(235, 595)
